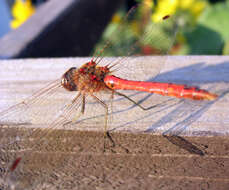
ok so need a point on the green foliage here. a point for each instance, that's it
(216, 17)
(160, 35)
(132, 37)
(204, 41)
(117, 39)
(211, 31)
(206, 34)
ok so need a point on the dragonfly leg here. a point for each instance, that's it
(111, 106)
(137, 104)
(82, 108)
(106, 108)
(78, 95)
(112, 98)
(83, 105)
(106, 133)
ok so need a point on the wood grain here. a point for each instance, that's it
(73, 157)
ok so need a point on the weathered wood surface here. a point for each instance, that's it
(21, 78)
(142, 157)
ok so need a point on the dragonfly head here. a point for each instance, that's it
(67, 80)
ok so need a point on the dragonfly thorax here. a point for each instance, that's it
(89, 78)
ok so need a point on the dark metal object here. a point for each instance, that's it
(60, 29)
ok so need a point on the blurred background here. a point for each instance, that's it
(46, 28)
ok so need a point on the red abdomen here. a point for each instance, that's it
(165, 89)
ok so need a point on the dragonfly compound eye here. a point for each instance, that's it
(67, 80)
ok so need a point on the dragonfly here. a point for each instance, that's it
(93, 79)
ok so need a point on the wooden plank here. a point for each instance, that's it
(73, 155)
(21, 78)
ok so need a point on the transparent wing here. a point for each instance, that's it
(37, 98)
(137, 37)
(27, 111)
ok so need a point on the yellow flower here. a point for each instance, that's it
(186, 4)
(164, 7)
(194, 6)
(21, 11)
(168, 7)
(198, 7)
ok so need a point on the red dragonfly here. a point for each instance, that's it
(91, 79)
